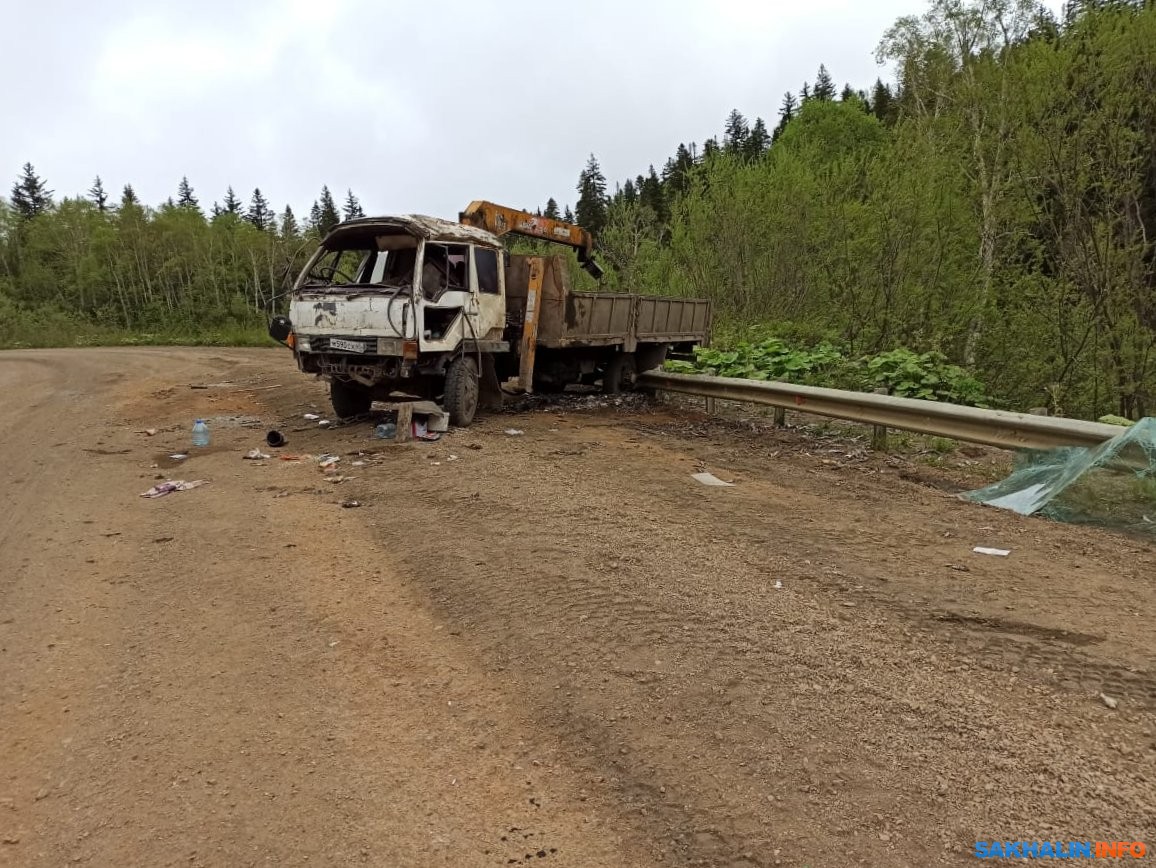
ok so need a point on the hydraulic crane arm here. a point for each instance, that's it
(509, 221)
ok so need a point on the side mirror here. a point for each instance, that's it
(280, 328)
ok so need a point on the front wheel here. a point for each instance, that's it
(461, 397)
(349, 399)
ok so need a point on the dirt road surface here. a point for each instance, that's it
(551, 648)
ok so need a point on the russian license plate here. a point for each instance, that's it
(348, 346)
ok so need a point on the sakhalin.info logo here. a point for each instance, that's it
(1060, 849)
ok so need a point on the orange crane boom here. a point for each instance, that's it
(501, 220)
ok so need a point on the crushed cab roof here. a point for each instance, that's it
(429, 228)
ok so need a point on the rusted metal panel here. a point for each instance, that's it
(663, 319)
(420, 226)
(530, 323)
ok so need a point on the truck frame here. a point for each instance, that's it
(440, 310)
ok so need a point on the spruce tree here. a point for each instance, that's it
(352, 207)
(758, 141)
(848, 93)
(216, 211)
(128, 197)
(30, 195)
(710, 149)
(882, 102)
(259, 215)
(185, 197)
(315, 216)
(591, 208)
(824, 86)
(629, 192)
(804, 93)
(652, 196)
(677, 170)
(289, 229)
(735, 133)
(232, 203)
(787, 112)
(327, 216)
(97, 194)
(551, 210)
(568, 215)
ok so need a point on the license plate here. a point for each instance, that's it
(348, 346)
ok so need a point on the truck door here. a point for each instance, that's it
(488, 312)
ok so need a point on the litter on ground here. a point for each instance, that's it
(256, 455)
(173, 485)
(710, 479)
(984, 550)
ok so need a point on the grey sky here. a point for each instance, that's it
(416, 107)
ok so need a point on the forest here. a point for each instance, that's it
(993, 207)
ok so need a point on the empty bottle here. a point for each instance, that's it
(200, 433)
(386, 430)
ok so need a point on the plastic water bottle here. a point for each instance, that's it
(386, 430)
(200, 433)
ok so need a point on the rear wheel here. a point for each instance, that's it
(349, 399)
(620, 374)
(461, 397)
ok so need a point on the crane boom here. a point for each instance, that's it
(501, 220)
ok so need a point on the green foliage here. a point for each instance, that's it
(923, 375)
(903, 373)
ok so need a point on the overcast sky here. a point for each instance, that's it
(416, 107)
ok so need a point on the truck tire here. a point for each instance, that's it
(349, 399)
(461, 397)
(620, 374)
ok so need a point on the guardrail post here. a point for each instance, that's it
(879, 432)
(710, 405)
(780, 417)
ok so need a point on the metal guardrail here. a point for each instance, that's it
(989, 427)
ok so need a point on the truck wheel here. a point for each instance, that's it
(349, 399)
(620, 374)
(461, 398)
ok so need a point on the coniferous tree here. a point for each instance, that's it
(568, 215)
(551, 209)
(315, 216)
(804, 93)
(30, 195)
(259, 215)
(185, 197)
(327, 216)
(735, 133)
(352, 207)
(787, 112)
(848, 93)
(651, 195)
(758, 141)
(709, 149)
(232, 205)
(824, 86)
(128, 197)
(591, 207)
(629, 191)
(882, 102)
(97, 194)
(216, 211)
(677, 169)
(289, 229)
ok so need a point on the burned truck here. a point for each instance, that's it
(440, 310)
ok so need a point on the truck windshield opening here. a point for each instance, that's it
(364, 263)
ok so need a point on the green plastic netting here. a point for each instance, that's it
(1113, 485)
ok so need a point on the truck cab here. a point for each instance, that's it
(386, 303)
